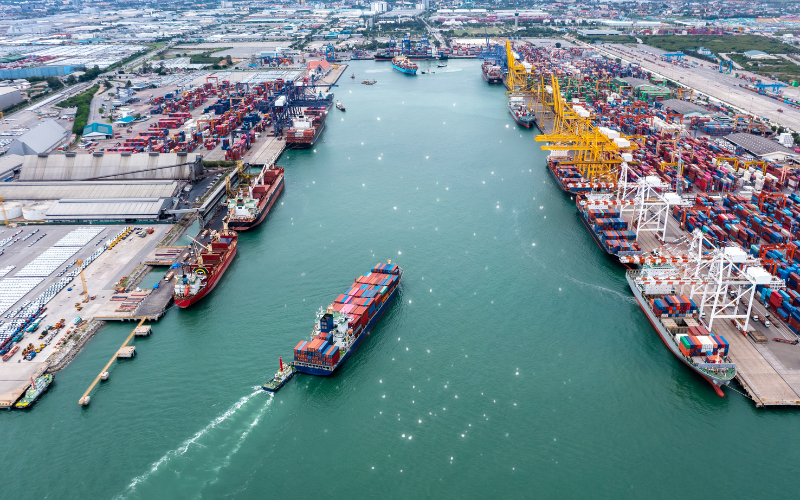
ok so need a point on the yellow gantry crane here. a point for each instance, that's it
(83, 282)
(596, 155)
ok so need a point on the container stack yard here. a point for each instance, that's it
(668, 181)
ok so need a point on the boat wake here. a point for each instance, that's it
(197, 441)
(376, 71)
(627, 298)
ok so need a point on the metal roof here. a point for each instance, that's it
(9, 163)
(757, 145)
(41, 139)
(638, 82)
(87, 189)
(684, 107)
(139, 166)
(107, 209)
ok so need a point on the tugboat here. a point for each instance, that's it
(283, 375)
(441, 65)
(340, 106)
(34, 392)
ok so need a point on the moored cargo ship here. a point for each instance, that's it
(492, 73)
(254, 203)
(520, 112)
(403, 65)
(35, 391)
(202, 274)
(675, 319)
(341, 327)
(306, 130)
(607, 227)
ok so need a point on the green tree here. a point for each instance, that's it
(228, 59)
(128, 84)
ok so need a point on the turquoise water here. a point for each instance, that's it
(513, 364)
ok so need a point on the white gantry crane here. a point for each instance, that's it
(720, 277)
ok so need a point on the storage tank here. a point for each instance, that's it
(36, 212)
(13, 209)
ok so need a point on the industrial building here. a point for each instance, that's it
(9, 96)
(761, 147)
(123, 166)
(45, 137)
(685, 108)
(97, 131)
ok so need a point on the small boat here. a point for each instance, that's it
(370, 82)
(340, 106)
(441, 65)
(283, 375)
(37, 388)
(353, 75)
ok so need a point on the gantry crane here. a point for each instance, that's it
(85, 288)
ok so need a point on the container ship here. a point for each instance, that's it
(403, 65)
(520, 112)
(202, 275)
(306, 129)
(341, 327)
(254, 203)
(492, 73)
(35, 391)
(674, 318)
(608, 229)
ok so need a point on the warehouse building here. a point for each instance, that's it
(761, 147)
(9, 96)
(56, 190)
(97, 131)
(122, 166)
(110, 209)
(686, 108)
(45, 137)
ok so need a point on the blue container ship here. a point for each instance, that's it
(341, 327)
(403, 65)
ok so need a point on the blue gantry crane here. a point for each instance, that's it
(330, 53)
(288, 103)
(725, 64)
(776, 87)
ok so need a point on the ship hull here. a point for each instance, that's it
(28, 404)
(490, 79)
(324, 371)
(667, 339)
(183, 303)
(246, 225)
(293, 143)
(521, 122)
(405, 71)
(600, 244)
(552, 166)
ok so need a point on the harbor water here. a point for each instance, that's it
(514, 363)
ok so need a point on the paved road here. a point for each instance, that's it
(709, 81)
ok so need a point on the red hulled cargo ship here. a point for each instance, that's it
(341, 327)
(254, 202)
(307, 128)
(201, 274)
